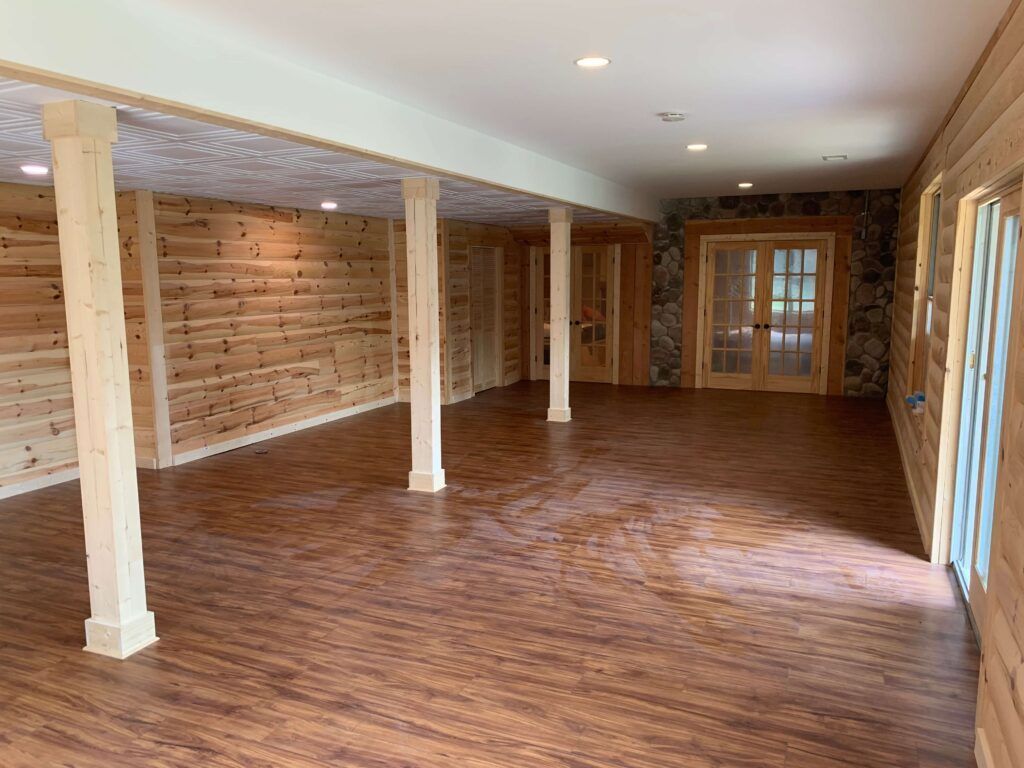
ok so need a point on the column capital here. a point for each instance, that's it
(560, 215)
(426, 187)
(86, 119)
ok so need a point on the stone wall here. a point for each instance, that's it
(873, 268)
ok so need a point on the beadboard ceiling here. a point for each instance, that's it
(165, 153)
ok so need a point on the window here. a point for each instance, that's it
(929, 237)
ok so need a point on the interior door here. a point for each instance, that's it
(484, 309)
(593, 313)
(765, 315)
(996, 254)
(735, 274)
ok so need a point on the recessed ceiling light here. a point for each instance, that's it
(328, 205)
(672, 117)
(745, 184)
(593, 62)
(828, 158)
(34, 170)
(696, 147)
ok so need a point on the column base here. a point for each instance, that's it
(120, 642)
(560, 414)
(426, 482)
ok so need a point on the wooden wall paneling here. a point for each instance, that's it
(272, 317)
(37, 436)
(457, 342)
(149, 267)
(512, 300)
(642, 314)
(589, 233)
(525, 310)
(395, 323)
(627, 290)
(979, 144)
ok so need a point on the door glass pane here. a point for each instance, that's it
(975, 393)
(732, 312)
(794, 294)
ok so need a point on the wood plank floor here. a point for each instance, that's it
(673, 579)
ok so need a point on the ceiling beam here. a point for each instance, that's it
(149, 55)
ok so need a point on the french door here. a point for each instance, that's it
(593, 313)
(765, 315)
(997, 241)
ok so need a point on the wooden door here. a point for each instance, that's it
(593, 313)
(765, 315)
(594, 308)
(485, 309)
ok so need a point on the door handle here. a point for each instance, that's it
(757, 326)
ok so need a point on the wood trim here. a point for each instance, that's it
(615, 304)
(590, 233)
(393, 290)
(499, 316)
(36, 483)
(150, 267)
(285, 429)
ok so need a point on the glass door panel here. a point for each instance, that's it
(792, 317)
(997, 241)
(592, 313)
(732, 301)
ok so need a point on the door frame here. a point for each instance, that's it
(830, 258)
(956, 352)
(539, 371)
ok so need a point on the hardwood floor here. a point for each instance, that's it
(675, 578)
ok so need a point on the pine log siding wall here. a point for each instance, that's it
(455, 240)
(37, 423)
(139, 368)
(981, 143)
(271, 317)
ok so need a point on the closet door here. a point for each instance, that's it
(484, 308)
(733, 356)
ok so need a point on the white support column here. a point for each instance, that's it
(81, 134)
(561, 226)
(424, 333)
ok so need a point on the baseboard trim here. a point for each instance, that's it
(982, 750)
(37, 483)
(924, 530)
(285, 429)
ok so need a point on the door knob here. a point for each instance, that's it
(757, 326)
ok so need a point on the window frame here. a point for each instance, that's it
(929, 242)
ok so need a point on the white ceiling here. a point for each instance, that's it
(172, 154)
(771, 85)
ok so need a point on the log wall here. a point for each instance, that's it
(980, 144)
(271, 317)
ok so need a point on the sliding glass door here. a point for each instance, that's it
(988, 332)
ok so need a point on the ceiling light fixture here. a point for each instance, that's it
(745, 184)
(593, 62)
(829, 158)
(34, 170)
(328, 205)
(697, 147)
(672, 117)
